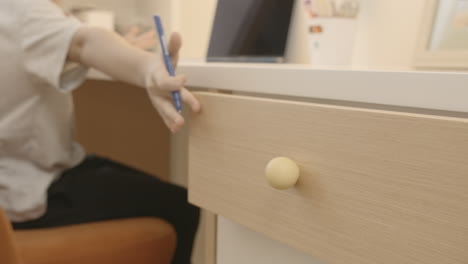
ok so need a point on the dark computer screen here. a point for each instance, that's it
(250, 28)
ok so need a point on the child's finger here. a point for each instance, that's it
(132, 32)
(190, 99)
(173, 119)
(175, 43)
(169, 83)
(149, 34)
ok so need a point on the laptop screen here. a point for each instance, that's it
(256, 28)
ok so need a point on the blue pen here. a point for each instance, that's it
(167, 61)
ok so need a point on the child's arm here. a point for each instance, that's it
(111, 54)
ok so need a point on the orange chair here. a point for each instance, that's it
(135, 240)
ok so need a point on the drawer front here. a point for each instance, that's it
(375, 186)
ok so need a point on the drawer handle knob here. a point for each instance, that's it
(282, 173)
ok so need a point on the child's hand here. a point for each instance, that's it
(145, 41)
(161, 84)
(111, 54)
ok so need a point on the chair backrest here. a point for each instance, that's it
(8, 251)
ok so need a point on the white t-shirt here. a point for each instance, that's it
(36, 109)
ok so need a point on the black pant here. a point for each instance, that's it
(99, 189)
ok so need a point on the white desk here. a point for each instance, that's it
(442, 95)
(431, 90)
(436, 93)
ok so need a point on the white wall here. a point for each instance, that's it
(196, 18)
(386, 35)
(129, 13)
(387, 32)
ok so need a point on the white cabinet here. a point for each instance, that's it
(237, 244)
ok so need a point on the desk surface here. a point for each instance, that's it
(432, 90)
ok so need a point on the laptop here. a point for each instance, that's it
(250, 31)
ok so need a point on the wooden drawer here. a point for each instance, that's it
(375, 186)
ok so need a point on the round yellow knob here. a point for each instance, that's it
(282, 173)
